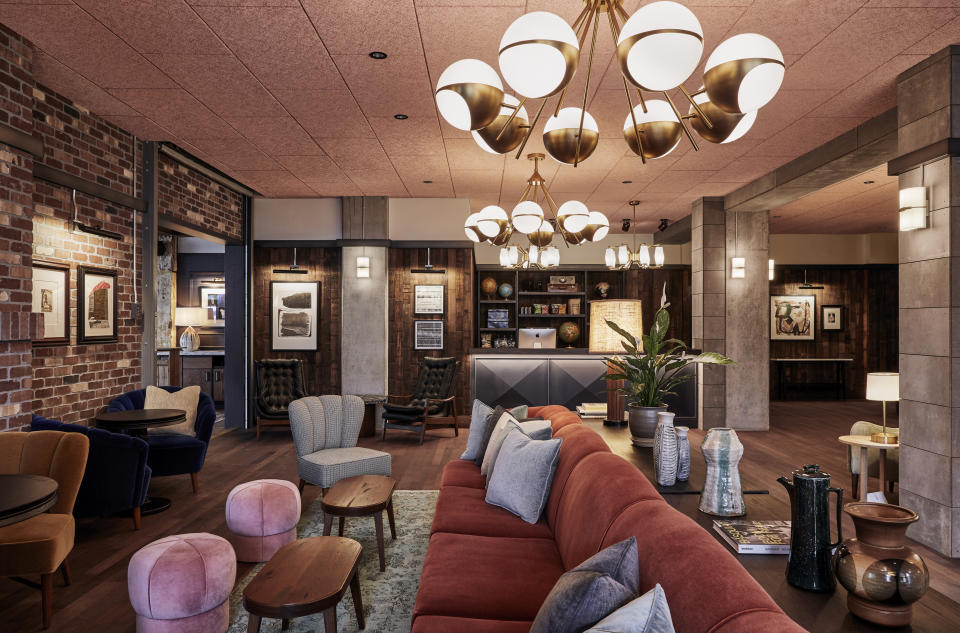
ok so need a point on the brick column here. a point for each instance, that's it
(708, 287)
(928, 107)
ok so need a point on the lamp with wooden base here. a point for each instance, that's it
(627, 314)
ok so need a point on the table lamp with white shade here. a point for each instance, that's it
(189, 317)
(604, 340)
(883, 387)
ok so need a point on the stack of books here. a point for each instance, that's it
(592, 410)
(755, 537)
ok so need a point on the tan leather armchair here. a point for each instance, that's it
(41, 544)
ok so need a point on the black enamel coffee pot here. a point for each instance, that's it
(809, 565)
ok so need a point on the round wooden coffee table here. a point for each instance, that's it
(361, 496)
(304, 577)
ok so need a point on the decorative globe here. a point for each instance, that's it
(569, 332)
(488, 286)
(505, 290)
(602, 289)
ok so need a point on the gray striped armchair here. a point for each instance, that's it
(325, 430)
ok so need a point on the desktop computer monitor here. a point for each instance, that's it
(537, 338)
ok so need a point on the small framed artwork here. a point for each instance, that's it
(428, 299)
(97, 305)
(793, 318)
(831, 318)
(212, 300)
(428, 335)
(51, 298)
(295, 315)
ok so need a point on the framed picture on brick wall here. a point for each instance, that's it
(96, 305)
(51, 298)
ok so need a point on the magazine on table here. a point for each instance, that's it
(755, 537)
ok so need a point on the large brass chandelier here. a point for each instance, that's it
(657, 49)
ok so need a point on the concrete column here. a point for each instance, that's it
(708, 288)
(928, 106)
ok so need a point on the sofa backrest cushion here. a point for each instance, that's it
(600, 487)
(578, 442)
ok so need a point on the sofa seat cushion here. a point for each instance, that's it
(471, 576)
(446, 624)
(462, 473)
(464, 511)
(328, 466)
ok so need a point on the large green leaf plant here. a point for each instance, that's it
(651, 365)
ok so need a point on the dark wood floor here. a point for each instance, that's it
(801, 433)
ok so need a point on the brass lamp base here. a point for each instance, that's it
(884, 438)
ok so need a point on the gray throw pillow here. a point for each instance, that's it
(647, 614)
(488, 428)
(591, 591)
(534, 429)
(521, 482)
(478, 423)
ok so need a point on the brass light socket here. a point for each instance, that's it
(724, 123)
(511, 137)
(722, 82)
(658, 137)
(562, 144)
(482, 100)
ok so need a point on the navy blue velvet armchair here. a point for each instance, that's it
(175, 454)
(117, 475)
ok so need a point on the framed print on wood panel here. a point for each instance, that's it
(97, 305)
(831, 318)
(428, 299)
(294, 315)
(428, 335)
(51, 298)
(793, 318)
(213, 302)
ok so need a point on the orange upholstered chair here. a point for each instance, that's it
(41, 544)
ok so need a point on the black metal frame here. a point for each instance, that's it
(82, 338)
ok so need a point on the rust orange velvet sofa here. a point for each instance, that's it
(487, 571)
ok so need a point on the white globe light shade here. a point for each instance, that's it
(550, 256)
(504, 257)
(727, 126)
(491, 220)
(569, 118)
(623, 255)
(610, 257)
(470, 228)
(468, 94)
(487, 139)
(527, 216)
(644, 255)
(560, 135)
(744, 73)
(658, 256)
(538, 54)
(601, 223)
(660, 127)
(660, 46)
(573, 215)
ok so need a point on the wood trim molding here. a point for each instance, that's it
(70, 181)
(933, 151)
(21, 140)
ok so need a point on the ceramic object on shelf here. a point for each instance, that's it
(665, 449)
(683, 453)
(643, 424)
(488, 286)
(722, 494)
(602, 289)
(568, 332)
(809, 565)
(882, 575)
(189, 340)
(505, 290)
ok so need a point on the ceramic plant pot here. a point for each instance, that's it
(643, 424)
(665, 449)
(722, 494)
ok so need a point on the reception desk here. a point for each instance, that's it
(568, 377)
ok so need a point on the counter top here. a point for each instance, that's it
(199, 352)
(526, 351)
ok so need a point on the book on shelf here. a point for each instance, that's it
(755, 537)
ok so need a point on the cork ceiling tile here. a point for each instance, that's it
(466, 154)
(176, 110)
(466, 181)
(326, 113)
(50, 72)
(237, 153)
(357, 154)
(156, 27)
(362, 26)
(417, 135)
(396, 85)
(801, 137)
(277, 136)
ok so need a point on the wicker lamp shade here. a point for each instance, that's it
(624, 312)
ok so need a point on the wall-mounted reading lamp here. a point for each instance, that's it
(87, 228)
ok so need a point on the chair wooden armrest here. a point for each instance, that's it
(399, 399)
(432, 401)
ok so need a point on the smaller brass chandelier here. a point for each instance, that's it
(533, 256)
(624, 258)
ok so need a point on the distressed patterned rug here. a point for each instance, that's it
(387, 596)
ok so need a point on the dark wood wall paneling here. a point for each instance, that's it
(869, 296)
(404, 361)
(321, 368)
(647, 285)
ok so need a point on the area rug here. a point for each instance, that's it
(387, 596)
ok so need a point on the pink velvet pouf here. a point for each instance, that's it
(180, 584)
(262, 517)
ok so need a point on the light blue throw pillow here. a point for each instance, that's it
(534, 429)
(478, 421)
(521, 482)
(647, 614)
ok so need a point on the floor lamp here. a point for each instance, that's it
(604, 340)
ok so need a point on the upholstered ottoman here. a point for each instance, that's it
(262, 517)
(180, 584)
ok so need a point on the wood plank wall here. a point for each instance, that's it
(404, 361)
(647, 285)
(869, 296)
(321, 369)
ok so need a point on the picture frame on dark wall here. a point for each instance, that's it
(428, 299)
(294, 315)
(96, 305)
(793, 317)
(428, 335)
(51, 298)
(213, 301)
(831, 318)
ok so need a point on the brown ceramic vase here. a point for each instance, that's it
(883, 577)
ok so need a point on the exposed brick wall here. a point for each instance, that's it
(195, 199)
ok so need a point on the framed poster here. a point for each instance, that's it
(212, 300)
(97, 305)
(831, 318)
(428, 335)
(51, 297)
(428, 299)
(294, 315)
(793, 318)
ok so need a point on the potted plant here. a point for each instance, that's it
(651, 368)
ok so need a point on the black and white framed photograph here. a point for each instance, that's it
(831, 318)
(97, 305)
(51, 298)
(793, 317)
(294, 315)
(428, 335)
(428, 299)
(213, 302)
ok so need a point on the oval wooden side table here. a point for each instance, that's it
(361, 496)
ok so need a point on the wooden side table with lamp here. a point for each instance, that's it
(881, 387)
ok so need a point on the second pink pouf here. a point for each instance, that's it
(262, 517)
